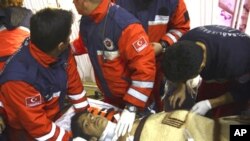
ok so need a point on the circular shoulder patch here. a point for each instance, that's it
(108, 43)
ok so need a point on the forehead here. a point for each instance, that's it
(83, 117)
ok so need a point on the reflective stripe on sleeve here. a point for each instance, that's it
(143, 84)
(77, 96)
(172, 37)
(137, 95)
(61, 134)
(177, 32)
(49, 135)
(81, 105)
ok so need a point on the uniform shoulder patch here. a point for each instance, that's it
(33, 101)
(140, 44)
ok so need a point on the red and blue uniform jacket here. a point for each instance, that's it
(121, 55)
(33, 88)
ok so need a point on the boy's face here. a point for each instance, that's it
(93, 125)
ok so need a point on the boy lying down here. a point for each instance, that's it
(179, 125)
(97, 107)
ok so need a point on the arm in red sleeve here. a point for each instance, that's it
(135, 48)
(178, 25)
(26, 110)
(78, 46)
(76, 92)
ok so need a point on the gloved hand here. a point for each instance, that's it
(125, 123)
(201, 107)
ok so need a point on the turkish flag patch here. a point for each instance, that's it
(140, 44)
(33, 101)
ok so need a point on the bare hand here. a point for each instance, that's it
(157, 48)
(178, 96)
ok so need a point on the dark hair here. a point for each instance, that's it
(76, 128)
(49, 27)
(182, 61)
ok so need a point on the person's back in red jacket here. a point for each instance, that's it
(14, 27)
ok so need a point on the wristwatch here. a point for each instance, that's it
(164, 45)
(131, 108)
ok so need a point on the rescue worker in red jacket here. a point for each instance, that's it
(36, 79)
(121, 55)
(165, 21)
(14, 28)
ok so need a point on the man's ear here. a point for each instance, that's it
(93, 139)
(61, 46)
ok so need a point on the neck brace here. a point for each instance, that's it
(109, 132)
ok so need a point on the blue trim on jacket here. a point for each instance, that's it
(23, 67)
(93, 35)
